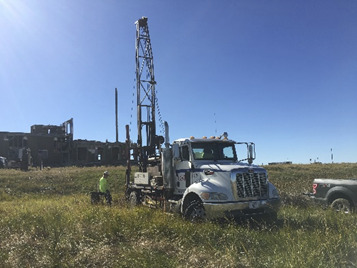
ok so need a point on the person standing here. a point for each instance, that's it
(104, 188)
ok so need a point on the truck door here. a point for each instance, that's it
(183, 171)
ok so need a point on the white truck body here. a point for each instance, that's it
(204, 178)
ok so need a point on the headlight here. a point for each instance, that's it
(214, 196)
(273, 192)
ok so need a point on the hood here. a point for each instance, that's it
(221, 179)
(225, 167)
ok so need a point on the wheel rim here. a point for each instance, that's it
(198, 213)
(133, 199)
(342, 207)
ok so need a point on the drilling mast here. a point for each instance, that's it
(148, 142)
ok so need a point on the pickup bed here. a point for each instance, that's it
(339, 194)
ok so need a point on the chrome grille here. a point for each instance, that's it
(251, 185)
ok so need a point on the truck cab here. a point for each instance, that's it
(212, 182)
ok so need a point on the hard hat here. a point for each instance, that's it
(106, 173)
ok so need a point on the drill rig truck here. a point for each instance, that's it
(200, 178)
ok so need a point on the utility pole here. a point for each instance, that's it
(116, 116)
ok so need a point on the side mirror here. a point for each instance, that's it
(251, 153)
(176, 151)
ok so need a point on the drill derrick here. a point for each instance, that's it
(148, 142)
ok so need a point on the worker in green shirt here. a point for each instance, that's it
(104, 189)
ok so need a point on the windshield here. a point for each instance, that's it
(213, 151)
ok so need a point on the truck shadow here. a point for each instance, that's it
(255, 223)
(329, 219)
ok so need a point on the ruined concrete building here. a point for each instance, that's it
(51, 145)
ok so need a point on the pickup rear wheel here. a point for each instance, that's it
(341, 205)
(195, 211)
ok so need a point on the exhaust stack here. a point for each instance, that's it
(167, 138)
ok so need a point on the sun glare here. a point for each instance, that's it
(15, 15)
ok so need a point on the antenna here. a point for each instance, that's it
(215, 124)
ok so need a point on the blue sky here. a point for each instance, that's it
(280, 73)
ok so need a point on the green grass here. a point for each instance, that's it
(47, 221)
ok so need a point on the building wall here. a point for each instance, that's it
(54, 146)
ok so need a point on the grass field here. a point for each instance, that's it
(47, 221)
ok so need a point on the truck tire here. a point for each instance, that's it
(134, 199)
(341, 205)
(195, 211)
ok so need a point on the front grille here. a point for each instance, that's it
(251, 185)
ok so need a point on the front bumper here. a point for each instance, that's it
(241, 208)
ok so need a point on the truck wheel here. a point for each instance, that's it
(134, 199)
(341, 205)
(195, 211)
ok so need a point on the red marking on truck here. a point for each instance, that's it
(314, 186)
